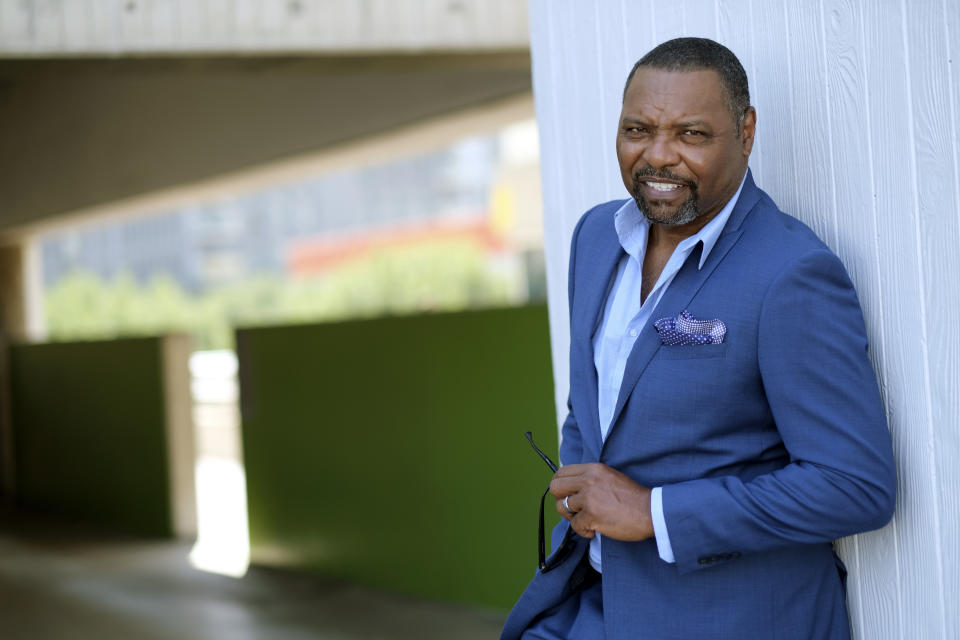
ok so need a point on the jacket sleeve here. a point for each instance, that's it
(571, 441)
(822, 393)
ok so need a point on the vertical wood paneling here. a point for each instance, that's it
(611, 70)
(859, 116)
(580, 95)
(813, 175)
(666, 24)
(735, 30)
(546, 84)
(638, 27)
(772, 97)
(948, 437)
(700, 18)
(929, 84)
(581, 127)
(573, 115)
(871, 559)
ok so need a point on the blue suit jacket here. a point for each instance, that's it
(767, 446)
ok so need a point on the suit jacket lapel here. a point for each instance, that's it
(681, 291)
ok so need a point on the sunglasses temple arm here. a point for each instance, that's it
(545, 457)
(541, 537)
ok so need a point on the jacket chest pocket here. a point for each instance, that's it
(694, 352)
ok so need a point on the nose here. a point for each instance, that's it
(661, 152)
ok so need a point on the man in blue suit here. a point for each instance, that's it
(724, 420)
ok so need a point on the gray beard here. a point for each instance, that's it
(688, 211)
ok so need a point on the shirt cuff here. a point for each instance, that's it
(660, 526)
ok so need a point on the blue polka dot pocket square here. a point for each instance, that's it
(687, 330)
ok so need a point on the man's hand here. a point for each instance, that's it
(604, 500)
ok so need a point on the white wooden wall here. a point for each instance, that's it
(858, 116)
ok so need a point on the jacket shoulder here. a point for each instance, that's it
(779, 237)
(601, 215)
(596, 222)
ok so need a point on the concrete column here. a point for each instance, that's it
(21, 291)
(7, 478)
(21, 318)
(181, 445)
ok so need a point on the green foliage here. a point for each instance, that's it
(439, 276)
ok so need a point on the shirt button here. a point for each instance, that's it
(633, 333)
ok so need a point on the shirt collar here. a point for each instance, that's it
(633, 228)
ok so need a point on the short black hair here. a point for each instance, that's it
(695, 54)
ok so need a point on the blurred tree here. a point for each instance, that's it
(441, 276)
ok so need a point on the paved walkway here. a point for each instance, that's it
(60, 581)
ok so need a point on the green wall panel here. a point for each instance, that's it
(89, 431)
(391, 451)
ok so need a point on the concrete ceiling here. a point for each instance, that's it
(80, 133)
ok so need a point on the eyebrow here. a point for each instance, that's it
(691, 123)
(680, 125)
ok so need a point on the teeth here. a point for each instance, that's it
(663, 186)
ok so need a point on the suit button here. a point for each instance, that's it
(704, 560)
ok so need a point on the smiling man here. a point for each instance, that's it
(724, 421)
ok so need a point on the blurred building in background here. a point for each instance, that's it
(193, 146)
(448, 229)
(216, 243)
(193, 167)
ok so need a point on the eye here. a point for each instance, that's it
(694, 136)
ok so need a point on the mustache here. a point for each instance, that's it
(647, 173)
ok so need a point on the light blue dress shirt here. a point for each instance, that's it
(623, 319)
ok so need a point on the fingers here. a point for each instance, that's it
(567, 507)
(560, 488)
(569, 486)
(602, 500)
(573, 470)
(571, 479)
(571, 512)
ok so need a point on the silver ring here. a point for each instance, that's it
(566, 505)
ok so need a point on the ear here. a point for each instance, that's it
(747, 130)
